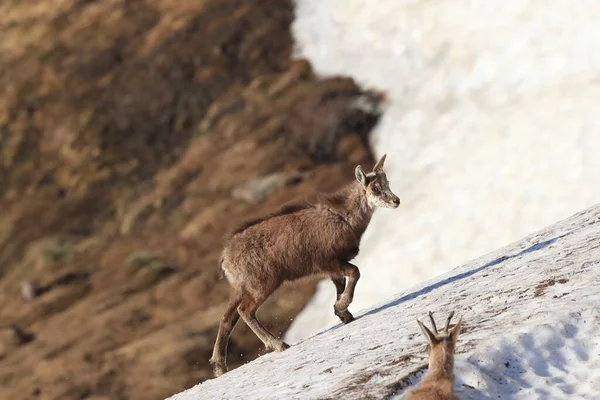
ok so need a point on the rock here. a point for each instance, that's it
(258, 189)
(13, 336)
(29, 289)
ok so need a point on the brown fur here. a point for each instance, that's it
(299, 240)
(438, 384)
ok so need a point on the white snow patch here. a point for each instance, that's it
(554, 360)
(493, 129)
(531, 317)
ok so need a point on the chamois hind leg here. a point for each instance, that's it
(228, 321)
(341, 269)
(344, 316)
(247, 310)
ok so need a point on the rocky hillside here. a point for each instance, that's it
(133, 135)
(530, 321)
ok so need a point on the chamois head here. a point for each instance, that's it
(443, 342)
(377, 187)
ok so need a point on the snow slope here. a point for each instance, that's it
(531, 314)
(493, 130)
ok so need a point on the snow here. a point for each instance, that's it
(531, 314)
(492, 130)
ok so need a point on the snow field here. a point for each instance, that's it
(531, 313)
(492, 131)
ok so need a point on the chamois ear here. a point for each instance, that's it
(456, 330)
(379, 165)
(360, 175)
(428, 334)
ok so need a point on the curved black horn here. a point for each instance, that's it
(448, 322)
(433, 323)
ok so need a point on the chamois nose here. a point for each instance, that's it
(396, 201)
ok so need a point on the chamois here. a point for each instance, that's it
(300, 240)
(438, 384)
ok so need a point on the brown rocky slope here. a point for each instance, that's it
(133, 135)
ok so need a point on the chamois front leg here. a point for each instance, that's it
(345, 269)
(340, 285)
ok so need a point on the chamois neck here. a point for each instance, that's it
(441, 366)
(351, 204)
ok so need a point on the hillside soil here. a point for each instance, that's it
(133, 135)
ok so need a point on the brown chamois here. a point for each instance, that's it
(300, 240)
(438, 384)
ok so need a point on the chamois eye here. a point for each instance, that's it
(374, 190)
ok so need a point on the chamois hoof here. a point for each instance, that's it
(219, 368)
(281, 346)
(344, 316)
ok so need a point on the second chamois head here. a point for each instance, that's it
(377, 187)
(447, 338)
(441, 345)
(438, 383)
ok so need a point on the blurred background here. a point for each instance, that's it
(135, 133)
